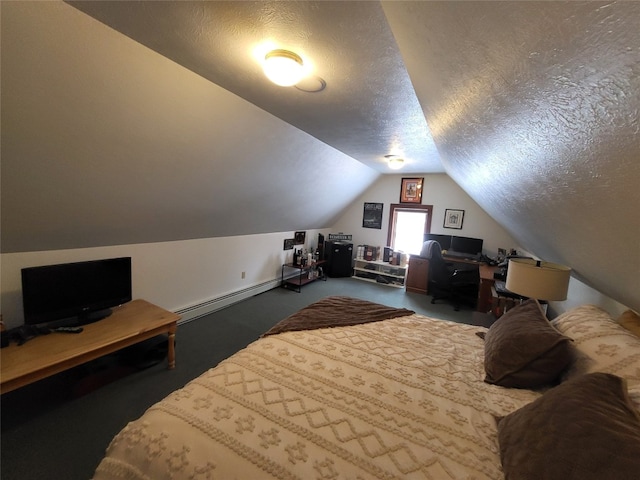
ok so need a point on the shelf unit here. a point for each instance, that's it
(380, 272)
(305, 274)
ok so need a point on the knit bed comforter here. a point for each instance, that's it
(400, 397)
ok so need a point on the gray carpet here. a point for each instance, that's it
(59, 428)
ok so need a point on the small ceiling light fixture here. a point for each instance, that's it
(283, 67)
(394, 162)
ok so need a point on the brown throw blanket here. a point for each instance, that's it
(337, 311)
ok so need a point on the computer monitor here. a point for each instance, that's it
(472, 246)
(443, 240)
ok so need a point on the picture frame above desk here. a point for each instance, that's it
(453, 218)
(411, 190)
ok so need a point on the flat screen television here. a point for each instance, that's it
(77, 293)
(442, 239)
(469, 245)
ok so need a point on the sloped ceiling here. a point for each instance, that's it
(368, 109)
(531, 107)
(534, 107)
(105, 142)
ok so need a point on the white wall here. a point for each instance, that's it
(438, 190)
(180, 274)
(174, 275)
(580, 294)
(442, 192)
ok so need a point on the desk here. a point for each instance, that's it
(485, 291)
(485, 294)
(448, 258)
(418, 278)
(47, 355)
(417, 275)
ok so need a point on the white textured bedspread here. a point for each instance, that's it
(401, 398)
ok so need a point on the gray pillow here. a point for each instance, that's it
(584, 429)
(523, 350)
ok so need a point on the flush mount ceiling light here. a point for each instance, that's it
(283, 67)
(394, 162)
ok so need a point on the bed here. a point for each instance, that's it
(351, 389)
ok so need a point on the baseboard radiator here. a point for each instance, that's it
(205, 308)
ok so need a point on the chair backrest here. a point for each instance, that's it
(438, 271)
(429, 247)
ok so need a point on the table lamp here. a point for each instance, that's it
(537, 279)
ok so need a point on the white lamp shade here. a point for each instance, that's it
(538, 279)
(283, 67)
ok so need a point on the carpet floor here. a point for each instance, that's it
(59, 427)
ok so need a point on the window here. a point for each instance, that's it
(407, 226)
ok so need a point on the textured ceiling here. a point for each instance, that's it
(368, 109)
(533, 106)
(105, 142)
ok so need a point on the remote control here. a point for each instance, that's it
(68, 329)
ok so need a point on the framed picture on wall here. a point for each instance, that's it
(299, 238)
(411, 190)
(372, 216)
(453, 218)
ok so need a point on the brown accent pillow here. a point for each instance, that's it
(522, 350)
(583, 429)
(631, 321)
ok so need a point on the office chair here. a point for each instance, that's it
(456, 283)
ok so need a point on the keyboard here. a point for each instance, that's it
(465, 256)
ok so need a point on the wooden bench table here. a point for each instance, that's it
(47, 355)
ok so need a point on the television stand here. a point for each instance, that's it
(46, 355)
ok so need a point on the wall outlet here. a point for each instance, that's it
(243, 275)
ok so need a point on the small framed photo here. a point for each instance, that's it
(453, 218)
(411, 190)
(288, 243)
(299, 238)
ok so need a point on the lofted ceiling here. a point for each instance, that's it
(531, 107)
(369, 107)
